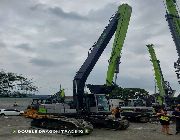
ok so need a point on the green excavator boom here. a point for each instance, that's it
(174, 14)
(158, 74)
(173, 18)
(120, 35)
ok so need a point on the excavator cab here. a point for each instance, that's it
(97, 103)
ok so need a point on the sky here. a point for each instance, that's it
(48, 41)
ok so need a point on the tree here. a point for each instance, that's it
(12, 84)
(129, 93)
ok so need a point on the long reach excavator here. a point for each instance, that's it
(89, 108)
(164, 88)
(173, 18)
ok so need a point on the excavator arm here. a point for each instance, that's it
(96, 51)
(173, 19)
(120, 35)
(158, 74)
(165, 90)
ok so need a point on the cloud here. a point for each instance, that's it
(24, 46)
(103, 14)
(65, 44)
(49, 41)
(59, 12)
(2, 45)
(42, 62)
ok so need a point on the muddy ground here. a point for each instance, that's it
(136, 131)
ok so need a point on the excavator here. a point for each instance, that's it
(165, 90)
(90, 108)
(173, 18)
(114, 61)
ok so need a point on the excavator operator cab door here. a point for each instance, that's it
(98, 103)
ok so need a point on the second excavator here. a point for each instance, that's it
(173, 18)
(164, 88)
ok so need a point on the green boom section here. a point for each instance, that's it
(171, 7)
(172, 10)
(123, 22)
(158, 74)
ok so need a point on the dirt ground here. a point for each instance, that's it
(136, 131)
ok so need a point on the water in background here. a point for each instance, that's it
(7, 103)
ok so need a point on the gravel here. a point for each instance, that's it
(136, 131)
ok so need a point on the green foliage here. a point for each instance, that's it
(14, 85)
(129, 93)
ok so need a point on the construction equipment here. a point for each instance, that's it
(165, 90)
(97, 103)
(114, 61)
(120, 20)
(58, 97)
(173, 18)
(133, 109)
(94, 107)
(137, 113)
(32, 110)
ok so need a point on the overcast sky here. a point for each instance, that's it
(48, 40)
